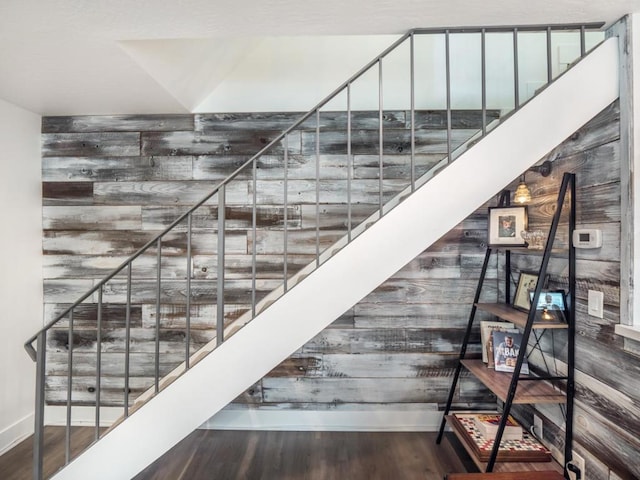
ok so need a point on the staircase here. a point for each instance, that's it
(280, 322)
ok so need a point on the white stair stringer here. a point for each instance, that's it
(355, 270)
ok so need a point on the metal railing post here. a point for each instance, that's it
(67, 438)
(412, 61)
(127, 344)
(38, 437)
(156, 372)
(349, 162)
(187, 346)
(220, 292)
(380, 137)
(448, 80)
(254, 220)
(98, 363)
(285, 206)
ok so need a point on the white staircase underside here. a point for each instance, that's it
(355, 270)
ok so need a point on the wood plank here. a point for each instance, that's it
(365, 390)
(117, 169)
(367, 365)
(394, 141)
(173, 316)
(117, 123)
(416, 290)
(67, 193)
(115, 144)
(112, 242)
(92, 218)
(85, 315)
(215, 142)
(416, 315)
(171, 340)
(204, 267)
(174, 291)
(236, 217)
(361, 341)
(165, 193)
(499, 382)
(83, 390)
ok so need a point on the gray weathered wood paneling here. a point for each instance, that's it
(111, 183)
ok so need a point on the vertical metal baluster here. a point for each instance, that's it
(516, 79)
(38, 437)
(317, 188)
(98, 362)
(483, 56)
(127, 344)
(285, 200)
(187, 352)
(448, 82)
(349, 162)
(380, 136)
(158, 293)
(549, 67)
(67, 443)
(583, 46)
(413, 111)
(254, 220)
(220, 293)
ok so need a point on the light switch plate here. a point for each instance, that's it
(595, 303)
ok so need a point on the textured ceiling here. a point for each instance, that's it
(148, 56)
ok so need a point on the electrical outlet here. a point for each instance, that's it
(537, 427)
(578, 461)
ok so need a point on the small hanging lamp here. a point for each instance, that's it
(522, 194)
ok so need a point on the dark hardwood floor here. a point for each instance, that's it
(260, 455)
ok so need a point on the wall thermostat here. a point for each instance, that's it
(587, 238)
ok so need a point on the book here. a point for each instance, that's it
(487, 424)
(506, 347)
(486, 327)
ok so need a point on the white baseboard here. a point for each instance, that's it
(14, 434)
(357, 418)
(347, 417)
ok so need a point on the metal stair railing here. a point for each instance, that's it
(219, 196)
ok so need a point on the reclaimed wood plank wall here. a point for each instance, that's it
(607, 401)
(112, 183)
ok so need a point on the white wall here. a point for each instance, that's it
(20, 267)
(296, 73)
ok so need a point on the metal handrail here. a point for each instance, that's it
(39, 354)
(297, 123)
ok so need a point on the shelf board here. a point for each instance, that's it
(515, 316)
(536, 391)
(501, 464)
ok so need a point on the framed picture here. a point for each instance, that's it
(526, 284)
(506, 225)
(552, 304)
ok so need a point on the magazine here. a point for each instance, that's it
(486, 327)
(506, 347)
(487, 424)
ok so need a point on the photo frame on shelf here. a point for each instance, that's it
(526, 283)
(506, 225)
(552, 304)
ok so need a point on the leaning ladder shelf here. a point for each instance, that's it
(517, 388)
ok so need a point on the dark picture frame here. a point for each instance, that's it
(506, 225)
(526, 283)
